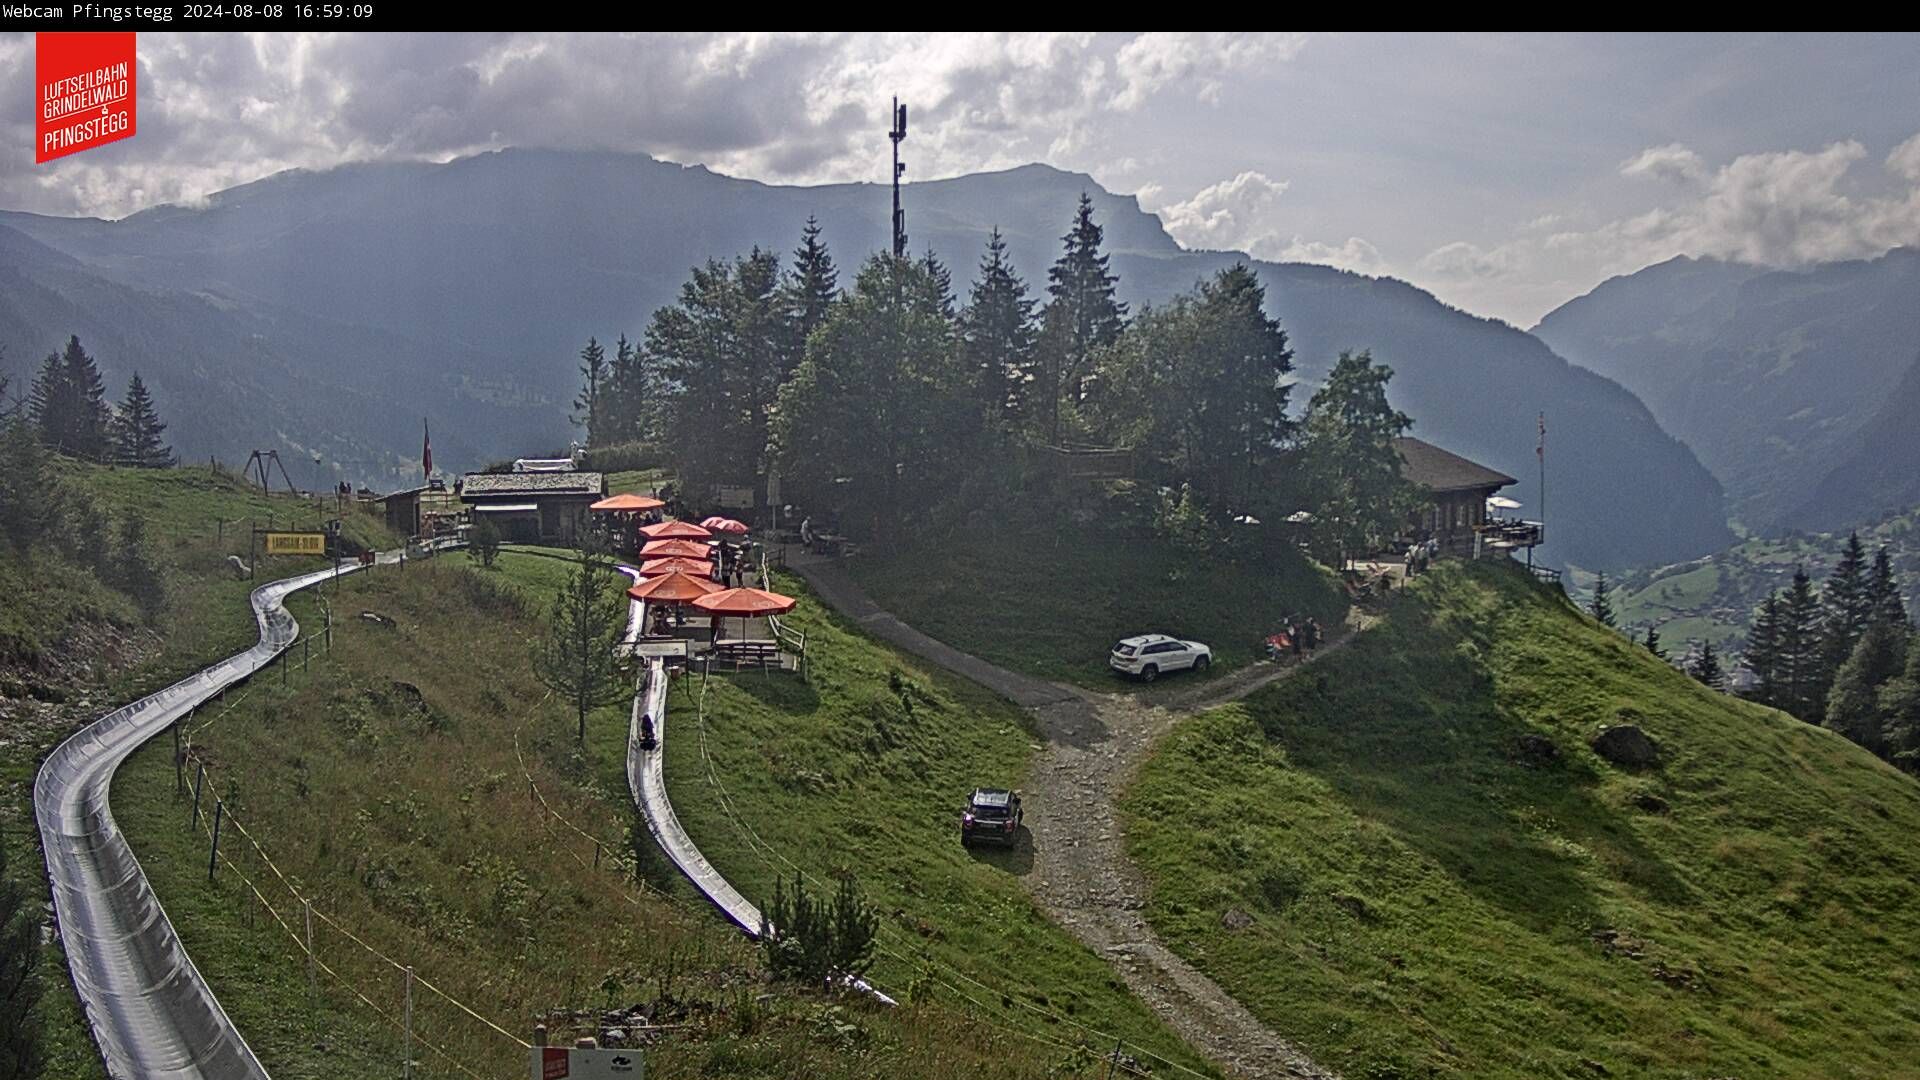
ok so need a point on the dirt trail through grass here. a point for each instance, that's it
(1081, 875)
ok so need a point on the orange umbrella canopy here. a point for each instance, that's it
(725, 525)
(628, 502)
(676, 549)
(673, 588)
(696, 567)
(745, 603)
(675, 530)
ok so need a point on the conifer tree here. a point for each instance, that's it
(1801, 658)
(593, 377)
(1763, 651)
(1081, 316)
(939, 282)
(29, 492)
(1884, 601)
(1601, 606)
(1706, 667)
(1653, 642)
(575, 658)
(1899, 709)
(137, 430)
(68, 404)
(997, 335)
(1346, 448)
(807, 294)
(1845, 606)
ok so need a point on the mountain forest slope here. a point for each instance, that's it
(1409, 860)
(464, 290)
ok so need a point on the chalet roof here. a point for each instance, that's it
(1442, 470)
(510, 485)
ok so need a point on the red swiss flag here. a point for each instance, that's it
(84, 92)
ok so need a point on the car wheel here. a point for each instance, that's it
(1200, 663)
(1149, 673)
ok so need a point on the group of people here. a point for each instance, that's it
(1297, 635)
(1421, 555)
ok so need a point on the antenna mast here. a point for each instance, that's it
(898, 134)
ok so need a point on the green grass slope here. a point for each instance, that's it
(1420, 900)
(862, 770)
(1035, 594)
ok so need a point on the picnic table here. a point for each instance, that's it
(743, 651)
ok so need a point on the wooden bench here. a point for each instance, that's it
(742, 652)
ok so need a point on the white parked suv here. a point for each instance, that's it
(1151, 655)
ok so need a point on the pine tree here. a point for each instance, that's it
(1845, 606)
(939, 280)
(593, 376)
(1346, 448)
(133, 569)
(1763, 651)
(1899, 709)
(1653, 642)
(1884, 601)
(21, 1057)
(576, 656)
(137, 430)
(1601, 606)
(997, 336)
(807, 294)
(1801, 659)
(68, 404)
(1706, 667)
(1081, 317)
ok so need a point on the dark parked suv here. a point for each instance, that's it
(992, 816)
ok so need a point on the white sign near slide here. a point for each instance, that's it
(565, 1063)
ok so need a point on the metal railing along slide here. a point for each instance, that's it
(150, 1010)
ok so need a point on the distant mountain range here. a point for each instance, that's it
(330, 310)
(1796, 387)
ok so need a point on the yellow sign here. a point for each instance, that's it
(281, 543)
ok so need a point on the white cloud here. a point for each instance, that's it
(1670, 162)
(1151, 62)
(1230, 215)
(1354, 254)
(1905, 159)
(1462, 259)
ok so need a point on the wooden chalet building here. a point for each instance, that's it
(1455, 512)
(534, 507)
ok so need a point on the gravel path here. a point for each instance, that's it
(1082, 877)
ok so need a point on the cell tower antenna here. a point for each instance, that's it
(898, 134)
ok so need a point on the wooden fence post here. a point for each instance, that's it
(213, 853)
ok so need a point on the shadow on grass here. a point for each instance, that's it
(781, 690)
(1406, 729)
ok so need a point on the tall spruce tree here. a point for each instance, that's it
(137, 430)
(29, 491)
(1082, 316)
(68, 404)
(1653, 642)
(1601, 606)
(807, 294)
(939, 282)
(1802, 659)
(1884, 601)
(575, 658)
(1763, 651)
(593, 378)
(21, 1056)
(1845, 606)
(997, 337)
(1706, 667)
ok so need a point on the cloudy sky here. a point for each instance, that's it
(1505, 174)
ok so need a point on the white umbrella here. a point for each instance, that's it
(1501, 502)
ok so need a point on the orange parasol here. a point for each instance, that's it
(628, 502)
(675, 530)
(725, 525)
(745, 603)
(676, 549)
(673, 588)
(696, 567)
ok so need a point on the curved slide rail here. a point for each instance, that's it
(151, 1012)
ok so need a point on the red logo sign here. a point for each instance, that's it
(553, 1063)
(85, 92)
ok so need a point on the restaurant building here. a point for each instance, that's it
(1455, 511)
(534, 507)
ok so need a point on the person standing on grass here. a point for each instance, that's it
(1313, 635)
(1294, 632)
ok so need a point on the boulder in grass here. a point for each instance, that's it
(1627, 746)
